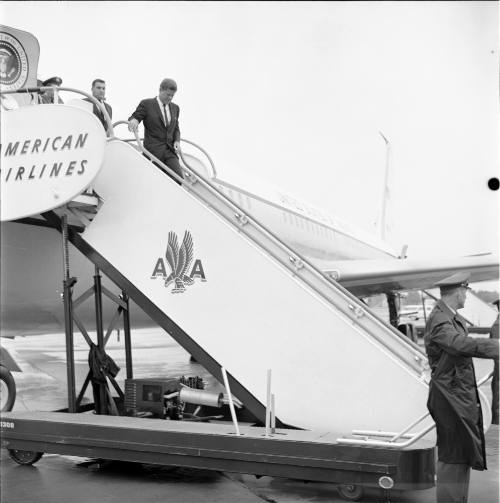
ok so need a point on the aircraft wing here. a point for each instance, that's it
(369, 277)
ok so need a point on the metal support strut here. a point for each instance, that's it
(68, 284)
(100, 334)
(128, 343)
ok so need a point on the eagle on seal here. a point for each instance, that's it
(179, 260)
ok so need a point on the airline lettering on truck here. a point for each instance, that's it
(20, 148)
(49, 155)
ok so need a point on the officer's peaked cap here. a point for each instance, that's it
(455, 280)
(53, 80)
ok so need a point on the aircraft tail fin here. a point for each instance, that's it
(384, 223)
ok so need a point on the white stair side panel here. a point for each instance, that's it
(250, 314)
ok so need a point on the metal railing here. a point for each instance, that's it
(412, 437)
(138, 140)
(39, 89)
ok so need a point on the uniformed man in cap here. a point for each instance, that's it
(453, 397)
(48, 95)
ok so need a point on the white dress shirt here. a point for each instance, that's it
(167, 109)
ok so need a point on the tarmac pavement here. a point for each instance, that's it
(67, 479)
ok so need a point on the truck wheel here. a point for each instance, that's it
(25, 457)
(7, 389)
(350, 492)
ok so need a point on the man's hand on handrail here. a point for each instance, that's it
(133, 124)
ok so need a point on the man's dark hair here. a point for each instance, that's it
(95, 81)
(167, 84)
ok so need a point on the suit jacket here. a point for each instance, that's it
(158, 138)
(97, 112)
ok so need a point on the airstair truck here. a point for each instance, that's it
(350, 391)
(237, 298)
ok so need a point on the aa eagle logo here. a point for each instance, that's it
(179, 260)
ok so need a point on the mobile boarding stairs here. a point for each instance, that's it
(349, 390)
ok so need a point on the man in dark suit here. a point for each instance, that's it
(98, 92)
(161, 125)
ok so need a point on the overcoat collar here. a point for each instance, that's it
(451, 314)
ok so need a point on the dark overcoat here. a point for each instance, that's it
(453, 397)
(158, 138)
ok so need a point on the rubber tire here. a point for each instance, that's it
(350, 492)
(7, 378)
(25, 457)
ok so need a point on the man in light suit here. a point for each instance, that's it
(161, 125)
(98, 92)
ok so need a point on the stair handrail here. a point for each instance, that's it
(357, 310)
(201, 149)
(136, 139)
(212, 165)
(38, 89)
(412, 438)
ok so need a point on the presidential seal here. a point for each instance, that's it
(13, 63)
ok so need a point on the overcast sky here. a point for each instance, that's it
(295, 94)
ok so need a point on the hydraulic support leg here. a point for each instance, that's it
(68, 284)
(100, 335)
(126, 329)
